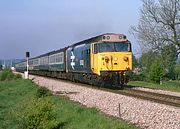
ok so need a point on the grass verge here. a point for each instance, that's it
(24, 105)
(167, 85)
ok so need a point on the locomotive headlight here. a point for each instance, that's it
(126, 58)
(115, 58)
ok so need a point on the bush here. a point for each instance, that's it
(18, 76)
(139, 77)
(6, 75)
(39, 114)
(156, 72)
(42, 92)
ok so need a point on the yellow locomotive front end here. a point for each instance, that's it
(111, 58)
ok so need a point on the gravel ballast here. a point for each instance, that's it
(144, 114)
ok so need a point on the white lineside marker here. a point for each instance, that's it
(26, 74)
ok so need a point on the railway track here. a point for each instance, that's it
(129, 91)
(147, 95)
(151, 96)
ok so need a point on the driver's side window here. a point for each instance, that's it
(95, 48)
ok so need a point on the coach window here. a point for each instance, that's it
(57, 58)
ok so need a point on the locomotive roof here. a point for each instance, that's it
(95, 39)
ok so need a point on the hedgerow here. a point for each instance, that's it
(7, 75)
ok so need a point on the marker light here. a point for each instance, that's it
(108, 37)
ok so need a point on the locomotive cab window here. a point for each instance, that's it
(122, 47)
(106, 47)
(112, 47)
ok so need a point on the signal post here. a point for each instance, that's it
(26, 74)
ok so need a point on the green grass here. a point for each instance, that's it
(19, 103)
(166, 85)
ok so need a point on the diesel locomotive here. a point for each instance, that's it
(102, 60)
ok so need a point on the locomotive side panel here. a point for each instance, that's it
(78, 59)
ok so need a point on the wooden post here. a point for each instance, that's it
(119, 110)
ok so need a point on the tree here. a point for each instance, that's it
(147, 59)
(168, 59)
(159, 24)
(177, 71)
(156, 72)
(145, 62)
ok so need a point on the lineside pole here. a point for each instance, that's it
(27, 67)
(27, 62)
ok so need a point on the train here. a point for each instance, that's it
(101, 60)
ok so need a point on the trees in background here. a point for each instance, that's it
(159, 24)
(163, 62)
(158, 33)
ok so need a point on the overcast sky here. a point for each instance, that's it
(40, 26)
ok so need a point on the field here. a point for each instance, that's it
(166, 85)
(25, 105)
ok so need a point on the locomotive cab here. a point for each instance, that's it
(111, 58)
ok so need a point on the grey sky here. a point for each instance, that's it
(40, 26)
